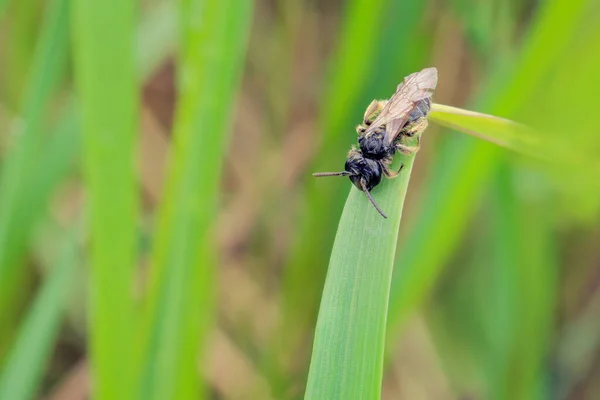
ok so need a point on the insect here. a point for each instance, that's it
(385, 124)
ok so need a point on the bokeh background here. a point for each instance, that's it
(496, 289)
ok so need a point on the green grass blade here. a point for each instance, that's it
(30, 353)
(105, 75)
(525, 261)
(500, 131)
(348, 351)
(49, 59)
(52, 167)
(512, 135)
(502, 291)
(16, 173)
(180, 298)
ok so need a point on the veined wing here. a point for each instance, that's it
(415, 87)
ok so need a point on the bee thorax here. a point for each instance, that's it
(374, 146)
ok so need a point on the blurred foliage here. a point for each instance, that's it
(19, 187)
(26, 363)
(215, 281)
(180, 301)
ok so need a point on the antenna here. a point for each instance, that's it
(343, 173)
(362, 183)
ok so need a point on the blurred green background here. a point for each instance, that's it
(161, 235)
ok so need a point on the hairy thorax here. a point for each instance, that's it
(374, 146)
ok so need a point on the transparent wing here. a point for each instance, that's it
(414, 88)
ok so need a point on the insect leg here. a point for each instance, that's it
(416, 127)
(389, 173)
(373, 111)
(408, 150)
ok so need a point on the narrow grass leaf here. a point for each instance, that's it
(512, 135)
(348, 350)
(37, 335)
(519, 291)
(107, 85)
(16, 172)
(501, 289)
(533, 292)
(500, 131)
(182, 276)
(49, 60)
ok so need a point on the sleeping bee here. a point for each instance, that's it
(385, 124)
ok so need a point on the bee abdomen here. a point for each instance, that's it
(421, 110)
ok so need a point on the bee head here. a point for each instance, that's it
(364, 173)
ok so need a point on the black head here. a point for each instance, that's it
(364, 173)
